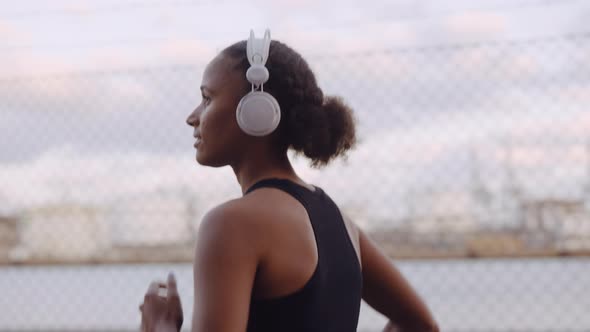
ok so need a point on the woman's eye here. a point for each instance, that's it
(206, 99)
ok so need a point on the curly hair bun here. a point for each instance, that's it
(321, 133)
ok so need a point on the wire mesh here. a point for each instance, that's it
(466, 150)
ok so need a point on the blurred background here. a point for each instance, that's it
(473, 170)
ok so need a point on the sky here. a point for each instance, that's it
(56, 36)
(93, 96)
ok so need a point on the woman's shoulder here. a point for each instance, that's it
(242, 215)
(231, 226)
(230, 214)
(248, 208)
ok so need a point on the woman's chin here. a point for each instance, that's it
(210, 162)
(200, 159)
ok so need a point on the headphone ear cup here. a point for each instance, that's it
(258, 113)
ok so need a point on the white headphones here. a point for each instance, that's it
(258, 112)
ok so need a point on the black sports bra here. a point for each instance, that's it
(330, 300)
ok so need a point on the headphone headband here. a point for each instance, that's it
(258, 112)
(257, 48)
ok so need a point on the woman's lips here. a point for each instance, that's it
(197, 142)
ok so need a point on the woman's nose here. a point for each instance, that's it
(193, 118)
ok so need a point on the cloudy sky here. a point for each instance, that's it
(56, 36)
(93, 96)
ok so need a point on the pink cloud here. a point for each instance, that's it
(30, 64)
(477, 23)
(11, 33)
(186, 50)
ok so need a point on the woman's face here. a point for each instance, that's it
(219, 140)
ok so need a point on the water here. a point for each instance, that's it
(470, 295)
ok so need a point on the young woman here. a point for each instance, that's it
(281, 257)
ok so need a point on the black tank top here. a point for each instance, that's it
(330, 300)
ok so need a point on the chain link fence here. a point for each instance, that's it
(466, 151)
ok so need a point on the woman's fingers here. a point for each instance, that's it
(174, 299)
(152, 289)
(171, 284)
(162, 301)
(168, 290)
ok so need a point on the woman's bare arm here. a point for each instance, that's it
(388, 292)
(224, 270)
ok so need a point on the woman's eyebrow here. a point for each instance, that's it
(206, 90)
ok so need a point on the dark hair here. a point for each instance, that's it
(320, 127)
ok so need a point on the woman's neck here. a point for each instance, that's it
(263, 166)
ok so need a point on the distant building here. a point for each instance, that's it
(491, 242)
(8, 236)
(356, 214)
(445, 212)
(564, 224)
(62, 232)
(152, 220)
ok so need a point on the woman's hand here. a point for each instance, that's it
(158, 313)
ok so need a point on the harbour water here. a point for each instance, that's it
(464, 295)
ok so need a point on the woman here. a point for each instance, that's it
(281, 257)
